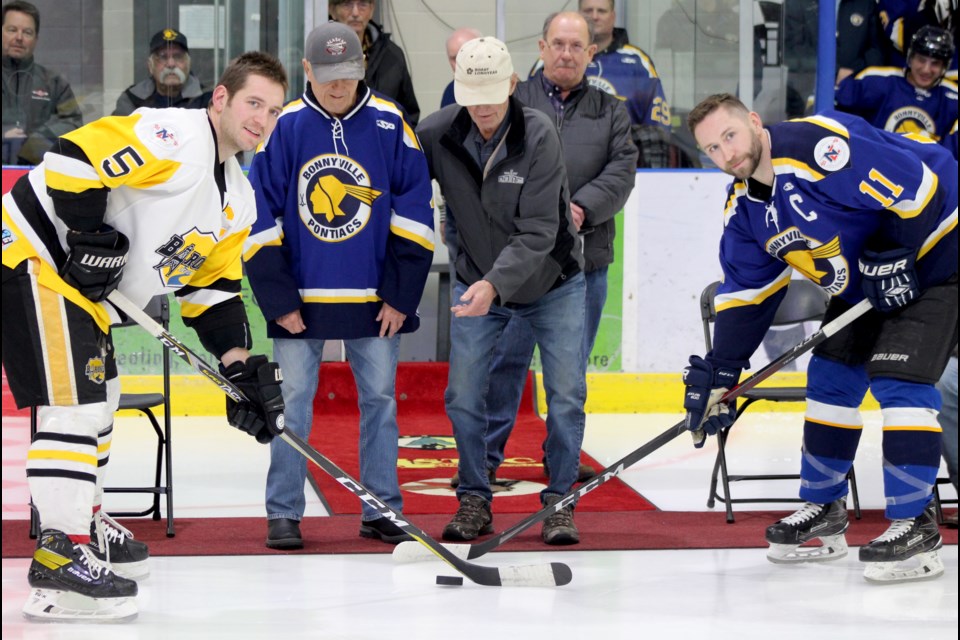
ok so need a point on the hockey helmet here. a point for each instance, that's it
(932, 42)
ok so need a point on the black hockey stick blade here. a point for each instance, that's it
(554, 574)
(407, 552)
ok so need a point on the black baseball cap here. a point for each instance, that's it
(162, 39)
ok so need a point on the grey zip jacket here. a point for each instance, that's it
(513, 218)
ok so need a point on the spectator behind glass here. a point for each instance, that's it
(917, 99)
(170, 83)
(860, 40)
(626, 71)
(386, 65)
(38, 104)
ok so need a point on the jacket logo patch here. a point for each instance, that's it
(335, 197)
(510, 177)
(823, 263)
(832, 153)
(183, 255)
(383, 124)
(95, 370)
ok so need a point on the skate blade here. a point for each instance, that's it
(833, 548)
(52, 605)
(923, 566)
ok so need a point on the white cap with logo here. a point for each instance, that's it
(333, 50)
(483, 73)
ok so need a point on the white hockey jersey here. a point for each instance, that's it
(186, 215)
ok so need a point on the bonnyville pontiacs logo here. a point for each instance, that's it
(334, 197)
(822, 262)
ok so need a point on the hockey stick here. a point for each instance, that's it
(542, 575)
(407, 552)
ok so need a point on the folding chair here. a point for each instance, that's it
(159, 309)
(804, 302)
(938, 501)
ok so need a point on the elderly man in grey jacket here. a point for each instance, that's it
(501, 169)
(600, 159)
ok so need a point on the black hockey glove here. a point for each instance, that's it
(95, 263)
(706, 384)
(889, 278)
(262, 415)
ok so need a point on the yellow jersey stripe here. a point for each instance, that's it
(56, 347)
(946, 226)
(748, 297)
(70, 456)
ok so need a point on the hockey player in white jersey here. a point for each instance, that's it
(863, 213)
(150, 203)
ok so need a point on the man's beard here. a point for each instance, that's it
(752, 161)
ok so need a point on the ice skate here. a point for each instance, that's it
(69, 584)
(115, 546)
(907, 551)
(827, 522)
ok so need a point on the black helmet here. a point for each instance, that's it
(932, 42)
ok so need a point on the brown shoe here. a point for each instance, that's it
(558, 528)
(472, 519)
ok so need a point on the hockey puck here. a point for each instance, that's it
(450, 581)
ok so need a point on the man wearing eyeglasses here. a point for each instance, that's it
(170, 83)
(386, 66)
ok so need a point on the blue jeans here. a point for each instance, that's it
(511, 361)
(556, 322)
(374, 365)
(948, 417)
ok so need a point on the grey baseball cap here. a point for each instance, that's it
(333, 50)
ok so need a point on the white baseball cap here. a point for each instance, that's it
(483, 73)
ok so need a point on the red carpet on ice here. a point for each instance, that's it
(428, 458)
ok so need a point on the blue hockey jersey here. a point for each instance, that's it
(344, 219)
(840, 186)
(884, 98)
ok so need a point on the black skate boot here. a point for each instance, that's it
(115, 546)
(906, 551)
(827, 522)
(70, 584)
(472, 519)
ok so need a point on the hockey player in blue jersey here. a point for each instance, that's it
(917, 99)
(863, 213)
(623, 70)
(340, 250)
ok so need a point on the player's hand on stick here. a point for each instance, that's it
(262, 415)
(889, 278)
(95, 263)
(706, 384)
